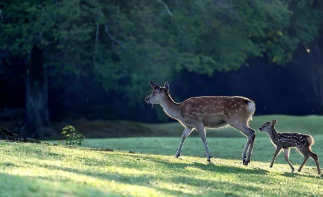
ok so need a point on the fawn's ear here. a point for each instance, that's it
(274, 122)
(154, 86)
(166, 85)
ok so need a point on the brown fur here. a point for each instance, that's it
(207, 112)
(212, 109)
(286, 141)
(310, 140)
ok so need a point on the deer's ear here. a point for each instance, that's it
(153, 85)
(274, 122)
(166, 85)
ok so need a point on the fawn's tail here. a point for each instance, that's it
(310, 140)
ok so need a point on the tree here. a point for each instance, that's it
(23, 34)
(120, 42)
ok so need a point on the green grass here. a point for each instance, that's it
(108, 129)
(48, 170)
(304, 124)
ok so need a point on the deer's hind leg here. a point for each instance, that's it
(286, 155)
(304, 162)
(250, 134)
(306, 150)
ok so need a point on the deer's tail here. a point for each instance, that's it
(310, 140)
(251, 107)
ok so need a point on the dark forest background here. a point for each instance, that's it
(84, 59)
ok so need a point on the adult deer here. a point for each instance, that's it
(207, 112)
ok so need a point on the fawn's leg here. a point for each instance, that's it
(185, 134)
(286, 155)
(201, 130)
(307, 151)
(304, 162)
(275, 155)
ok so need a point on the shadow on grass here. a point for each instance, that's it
(207, 166)
(15, 185)
(214, 187)
(178, 183)
(181, 166)
(178, 166)
(296, 174)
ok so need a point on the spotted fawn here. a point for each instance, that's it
(285, 141)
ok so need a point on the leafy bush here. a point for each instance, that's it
(72, 136)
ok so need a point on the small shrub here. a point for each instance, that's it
(72, 136)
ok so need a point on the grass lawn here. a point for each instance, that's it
(48, 170)
(108, 129)
(304, 124)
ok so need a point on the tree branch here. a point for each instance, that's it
(106, 28)
(166, 7)
(96, 39)
(160, 15)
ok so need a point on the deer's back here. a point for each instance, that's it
(214, 111)
(292, 139)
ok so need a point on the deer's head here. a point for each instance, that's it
(268, 126)
(158, 93)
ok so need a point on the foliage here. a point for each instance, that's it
(72, 136)
(38, 170)
(120, 43)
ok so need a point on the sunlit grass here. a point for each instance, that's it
(47, 170)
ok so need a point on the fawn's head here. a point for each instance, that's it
(158, 94)
(268, 126)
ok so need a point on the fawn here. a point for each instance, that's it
(285, 141)
(207, 112)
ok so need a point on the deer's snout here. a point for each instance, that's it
(260, 129)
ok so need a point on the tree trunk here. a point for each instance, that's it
(37, 117)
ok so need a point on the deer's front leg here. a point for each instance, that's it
(286, 155)
(202, 132)
(186, 133)
(275, 155)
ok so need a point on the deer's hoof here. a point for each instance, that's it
(299, 170)
(209, 160)
(293, 169)
(246, 162)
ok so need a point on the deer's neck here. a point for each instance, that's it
(170, 107)
(273, 134)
